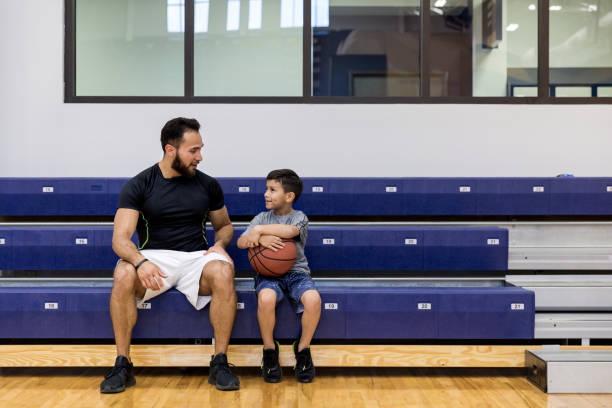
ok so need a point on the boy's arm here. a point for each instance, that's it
(253, 238)
(279, 230)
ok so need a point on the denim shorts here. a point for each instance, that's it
(294, 284)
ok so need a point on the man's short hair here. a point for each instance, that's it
(289, 180)
(172, 132)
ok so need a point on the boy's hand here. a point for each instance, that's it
(252, 239)
(271, 241)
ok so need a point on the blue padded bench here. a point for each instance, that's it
(329, 248)
(337, 196)
(377, 311)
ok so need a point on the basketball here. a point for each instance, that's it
(270, 263)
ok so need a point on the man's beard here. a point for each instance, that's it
(179, 166)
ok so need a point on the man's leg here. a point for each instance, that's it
(310, 318)
(266, 316)
(126, 287)
(218, 279)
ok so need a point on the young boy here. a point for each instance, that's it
(283, 188)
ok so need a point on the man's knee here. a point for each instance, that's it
(125, 276)
(266, 299)
(220, 274)
(311, 300)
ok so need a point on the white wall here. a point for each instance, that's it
(41, 136)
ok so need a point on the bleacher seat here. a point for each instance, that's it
(334, 197)
(329, 248)
(384, 310)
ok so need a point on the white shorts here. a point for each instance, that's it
(183, 271)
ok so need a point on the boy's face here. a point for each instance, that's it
(275, 196)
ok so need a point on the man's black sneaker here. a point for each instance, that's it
(220, 374)
(120, 377)
(270, 368)
(304, 368)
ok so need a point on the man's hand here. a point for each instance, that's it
(218, 249)
(151, 276)
(271, 241)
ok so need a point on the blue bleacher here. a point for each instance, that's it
(361, 312)
(581, 196)
(329, 248)
(351, 311)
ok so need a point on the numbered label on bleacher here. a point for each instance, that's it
(410, 241)
(51, 306)
(2, 241)
(609, 189)
(391, 189)
(538, 189)
(47, 189)
(329, 241)
(517, 306)
(331, 306)
(81, 241)
(317, 189)
(424, 306)
(492, 241)
(144, 305)
(465, 189)
(240, 305)
(244, 189)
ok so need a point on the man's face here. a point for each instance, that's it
(188, 154)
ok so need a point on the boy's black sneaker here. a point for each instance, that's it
(220, 374)
(270, 368)
(304, 368)
(119, 378)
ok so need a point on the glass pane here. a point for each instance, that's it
(246, 52)
(129, 47)
(483, 47)
(580, 45)
(573, 91)
(522, 91)
(604, 91)
(366, 48)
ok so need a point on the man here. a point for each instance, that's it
(168, 204)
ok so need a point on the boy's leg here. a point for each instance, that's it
(310, 318)
(266, 316)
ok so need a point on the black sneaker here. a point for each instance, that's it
(221, 375)
(270, 368)
(304, 368)
(120, 377)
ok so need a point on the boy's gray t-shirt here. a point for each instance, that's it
(296, 218)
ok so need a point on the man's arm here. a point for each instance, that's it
(149, 274)
(126, 220)
(224, 231)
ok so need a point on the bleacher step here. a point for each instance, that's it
(570, 371)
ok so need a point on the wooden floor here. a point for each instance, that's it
(333, 387)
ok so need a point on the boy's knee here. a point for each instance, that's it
(311, 299)
(266, 298)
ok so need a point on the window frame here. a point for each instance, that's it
(307, 97)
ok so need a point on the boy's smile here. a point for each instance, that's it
(276, 198)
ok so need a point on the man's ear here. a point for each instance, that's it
(169, 149)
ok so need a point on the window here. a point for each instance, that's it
(375, 51)
(129, 48)
(580, 47)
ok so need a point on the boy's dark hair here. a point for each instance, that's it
(172, 132)
(289, 180)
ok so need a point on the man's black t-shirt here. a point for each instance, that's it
(173, 211)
